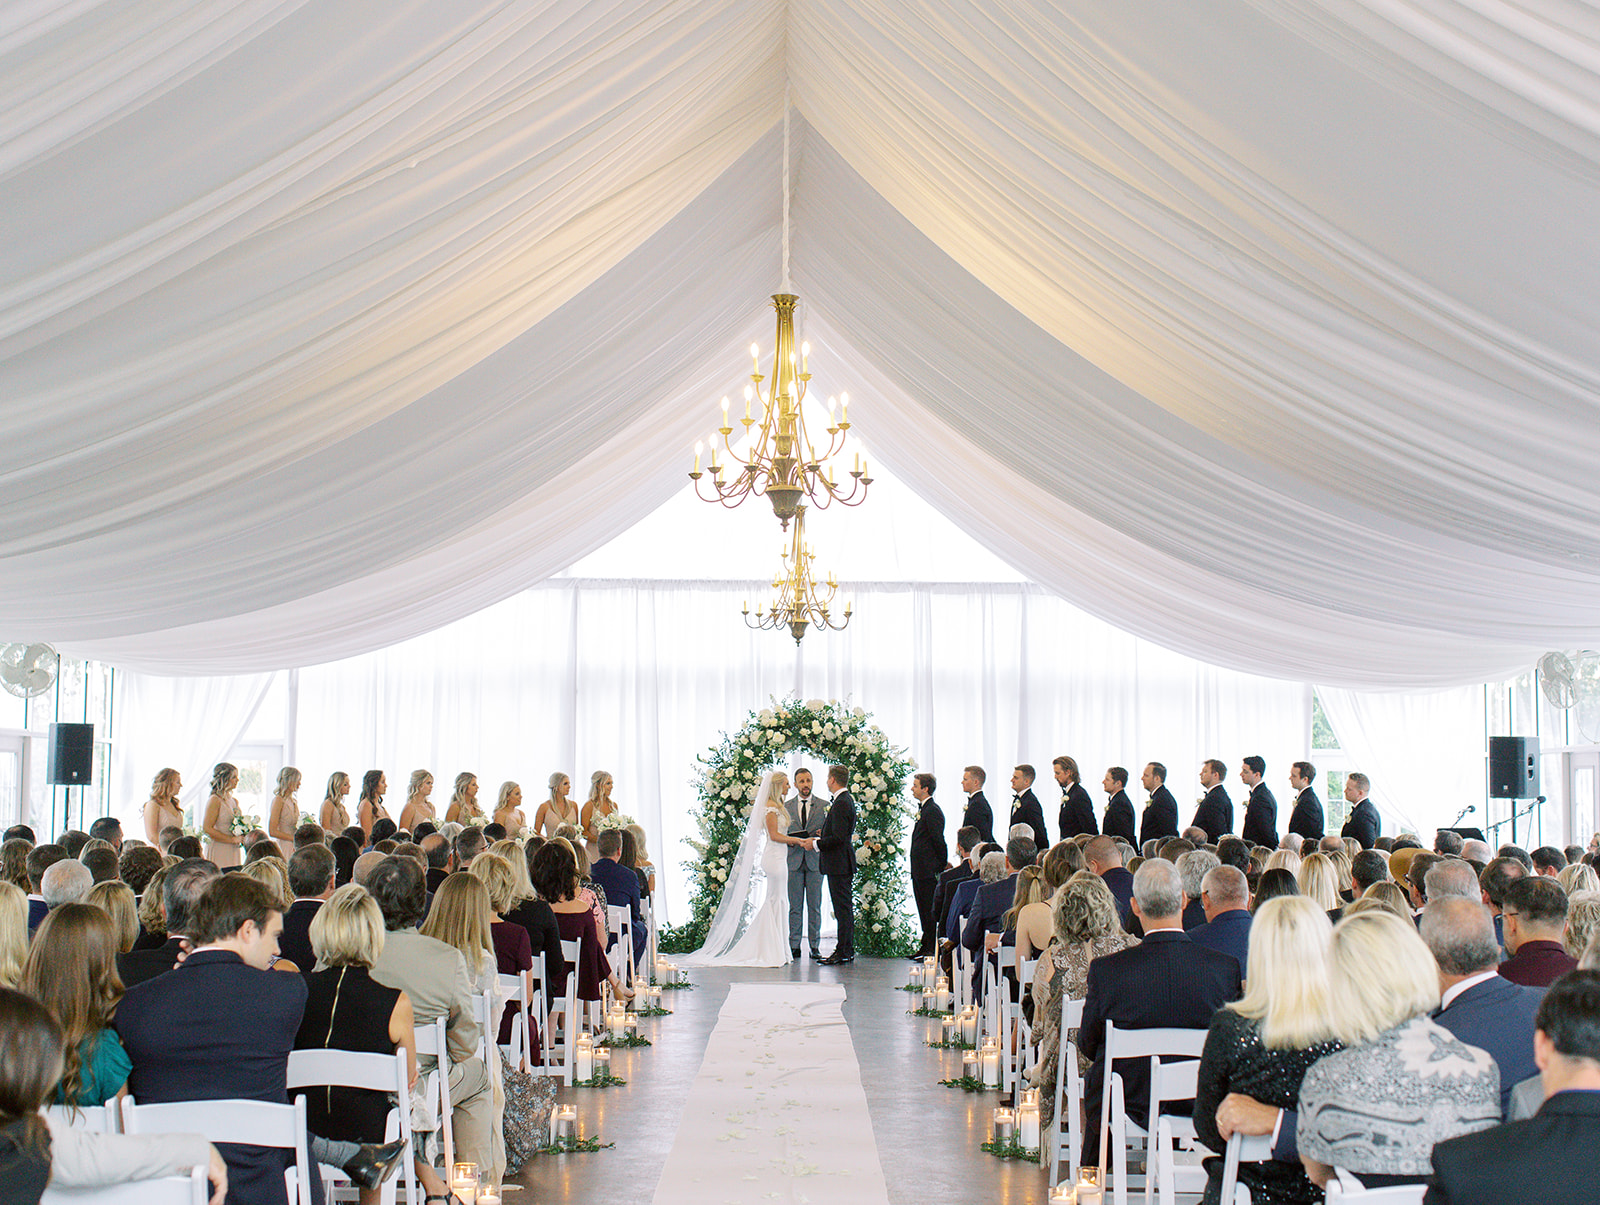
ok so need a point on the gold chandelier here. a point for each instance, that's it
(782, 463)
(798, 602)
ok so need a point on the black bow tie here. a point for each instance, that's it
(1016, 799)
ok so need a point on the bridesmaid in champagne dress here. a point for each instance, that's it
(508, 809)
(600, 804)
(463, 809)
(418, 806)
(335, 817)
(558, 809)
(283, 817)
(371, 810)
(162, 809)
(222, 843)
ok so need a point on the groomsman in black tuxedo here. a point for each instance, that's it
(1364, 821)
(978, 813)
(1119, 808)
(837, 845)
(1077, 809)
(1160, 819)
(1306, 819)
(1025, 807)
(1215, 812)
(928, 857)
(1261, 810)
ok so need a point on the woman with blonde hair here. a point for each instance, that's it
(152, 920)
(463, 809)
(1580, 876)
(598, 806)
(162, 809)
(527, 909)
(1029, 914)
(1285, 859)
(1387, 894)
(1583, 921)
(1403, 1083)
(221, 810)
(1086, 927)
(115, 899)
(13, 933)
(1320, 881)
(461, 918)
(334, 816)
(508, 809)
(513, 947)
(1344, 875)
(418, 806)
(558, 810)
(642, 858)
(1259, 1049)
(283, 815)
(72, 970)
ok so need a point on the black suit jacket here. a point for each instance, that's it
(1077, 813)
(1547, 1158)
(1306, 819)
(837, 844)
(139, 966)
(989, 908)
(216, 1029)
(295, 944)
(979, 815)
(1119, 881)
(1363, 824)
(1215, 814)
(929, 853)
(945, 892)
(1027, 811)
(1166, 981)
(1261, 817)
(1119, 821)
(1160, 819)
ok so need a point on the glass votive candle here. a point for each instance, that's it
(969, 1064)
(947, 1030)
(1088, 1186)
(567, 1123)
(1005, 1125)
(489, 1196)
(1064, 1194)
(464, 1181)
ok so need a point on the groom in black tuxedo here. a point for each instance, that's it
(837, 845)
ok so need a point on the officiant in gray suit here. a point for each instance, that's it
(806, 812)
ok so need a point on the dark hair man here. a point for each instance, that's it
(1214, 813)
(1119, 820)
(1160, 818)
(1261, 809)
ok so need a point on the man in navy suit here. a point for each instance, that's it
(1119, 820)
(990, 905)
(1306, 819)
(311, 875)
(221, 1026)
(620, 884)
(1077, 809)
(1166, 981)
(1479, 1006)
(978, 813)
(1103, 858)
(944, 894)
(40, 859)
(1364, 821)
(1548, 1157)
(1160, 819)
(180, 896)
(1025, 807)
(1225, 896)
(1261, 809)
(1215, 811)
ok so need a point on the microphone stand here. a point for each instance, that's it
(1516, 815)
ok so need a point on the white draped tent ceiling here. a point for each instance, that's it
(1266, 331)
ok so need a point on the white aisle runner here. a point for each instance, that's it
(777, 1112)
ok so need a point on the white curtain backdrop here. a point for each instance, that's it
(1423, 752)
(1188, 311)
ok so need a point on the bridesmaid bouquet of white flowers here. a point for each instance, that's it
(617, 820)
(242, 824)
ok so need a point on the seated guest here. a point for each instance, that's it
(1547, 1157)
(620, 883)
(219, 1026)
(1447, 843)
(512, 947)
(66, 882)
(1578, 876)
(1104, 858)
(309, 833)
(311, 875)
(1278, 881)
(72, 971)
(434, 976)
(101, 863)
(1390, 896)
(983, 928)
(36, 1151)
(1495, 877)
(534, 915)
(1319, 881)
(1258, 1050)
(990, 865)
(40, 859)
(1035, 925)
(1548, 860)
(152, 924)
(73, 841)
(1193, 867)
(1029, 892)
(365, 865)
(346, 1009)
(1451, 877)
(345, 854)
(185, 847)
(1583, 921)
(437, 850)
(180, 895)
(1402, 1083)
(14, 863)
(963, 869)
(1166, 981)
(1225, 895)
(1283, 859)
(1084, 918)
(115, 899)
(469, 843)
(1479, 1006)
(639, 858)
(137, 866)
(555, 877)
(1535, 918)
(13, 933)
(1366, 868)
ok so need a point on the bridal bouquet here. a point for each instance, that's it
(243, 823)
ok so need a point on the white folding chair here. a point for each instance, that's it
(620, 920)
(562, 1016)
(1167, 1174)
(547, 1059)
(96, 1119)
(376, 1073)
(192, 1189)
(517, 990)
(484, 1008)
(650, 930)
(433, 1084)
(961, 978)
(1117, 1129)
(1344, 1187)
(245, 1122)
(1242, 1148)
(1069, 1097)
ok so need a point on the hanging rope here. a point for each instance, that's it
(786, 288)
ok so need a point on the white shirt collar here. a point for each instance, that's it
(1472, 981)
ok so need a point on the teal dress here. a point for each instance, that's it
(103, 1067)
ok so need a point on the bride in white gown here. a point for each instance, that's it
(751, 924)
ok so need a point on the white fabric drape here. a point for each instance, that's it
(1423, 752)
(1195, 311)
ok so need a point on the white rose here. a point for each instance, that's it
(727, 792)
(815, 704)
(859, 713)
(829, 732)
(863, 853)
(883, 909)
(766, 715)
(816, 726)
(868, 795)
(723, 848)
(877, 928)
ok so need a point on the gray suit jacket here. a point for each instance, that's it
(807, 825)
(434, 975)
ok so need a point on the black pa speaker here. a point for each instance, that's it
(1513, 767)
(71, 759)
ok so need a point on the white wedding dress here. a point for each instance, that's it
(751, 925)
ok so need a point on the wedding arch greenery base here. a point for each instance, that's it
(835, 734)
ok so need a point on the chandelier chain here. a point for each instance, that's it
(786, 186)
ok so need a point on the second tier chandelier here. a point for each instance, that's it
(798, 600)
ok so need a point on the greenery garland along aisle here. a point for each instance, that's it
(833, 733)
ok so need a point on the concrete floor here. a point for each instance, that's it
(927, 1135)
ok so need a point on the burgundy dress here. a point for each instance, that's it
(593, 968)
(513, 954)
